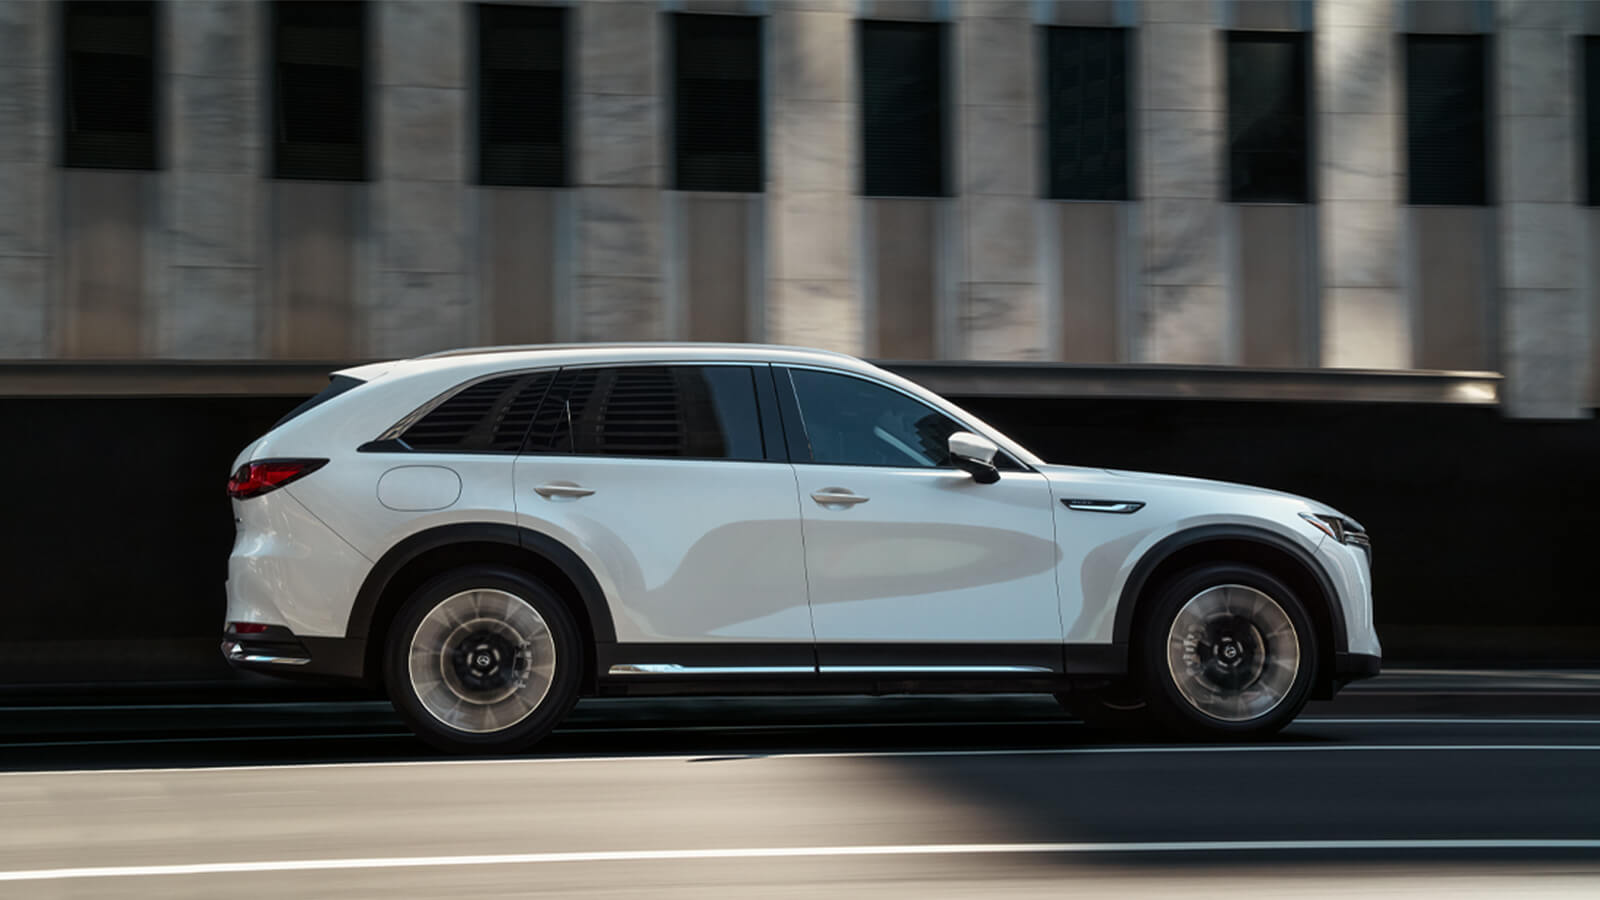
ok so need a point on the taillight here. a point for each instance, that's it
(261, 476)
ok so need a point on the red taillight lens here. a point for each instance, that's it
(256, 478)
(248, 627)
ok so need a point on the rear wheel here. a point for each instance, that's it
(1228, 651)
(483, 659)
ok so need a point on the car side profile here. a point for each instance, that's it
(489, 535)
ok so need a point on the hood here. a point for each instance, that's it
(1197, 485)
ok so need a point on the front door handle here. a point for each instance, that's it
(837, 496)
(562, 489)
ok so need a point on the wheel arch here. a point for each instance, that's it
(1249, 545)
(414, 560)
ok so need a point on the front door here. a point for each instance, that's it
(913, 566)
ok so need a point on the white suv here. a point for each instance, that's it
(491, 534)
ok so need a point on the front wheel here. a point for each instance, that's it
(483, 659)
(1228, 651)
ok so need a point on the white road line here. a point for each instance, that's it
(408, 862)
(751, 756)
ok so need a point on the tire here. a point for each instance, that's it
(1227, 652)
(483, 659)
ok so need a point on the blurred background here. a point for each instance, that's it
(1341, 248)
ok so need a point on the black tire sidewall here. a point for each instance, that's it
(558, 700)
(1166, 701)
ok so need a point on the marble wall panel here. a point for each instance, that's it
(1365, 328)
(621, 139)
(816, 313)
(24, 313)
(1001, 321)
(1186, 324)
(613, 308)
(212, 314)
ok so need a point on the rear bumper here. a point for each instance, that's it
(279, 651)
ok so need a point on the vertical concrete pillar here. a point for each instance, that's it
(1544, 344)
(1366, 318)
(620, 135)
(1185, 316)
(813, 289)
(1002, 313)
(419, 301)
(209, 306)
(27, 178)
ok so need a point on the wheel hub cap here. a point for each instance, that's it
(482, 661)
(1233, 653)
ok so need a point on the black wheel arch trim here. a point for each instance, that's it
(1173, 543)
(556, 553)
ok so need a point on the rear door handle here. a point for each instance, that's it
(837, 496)
(562, 489)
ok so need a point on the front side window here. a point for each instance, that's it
(689, 412)
(853, 422)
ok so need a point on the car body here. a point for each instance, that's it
(659, 518)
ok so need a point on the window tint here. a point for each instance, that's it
(1446, 136)
(902, 109)
(1087, 93)
(853, 422)
(692, 412)
(488, 417)
(717, 103)
(522, 116)
(110, 88)
(319, 112)
(1267, 122)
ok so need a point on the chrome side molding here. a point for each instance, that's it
(676, 669)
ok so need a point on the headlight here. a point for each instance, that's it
(1342, 530)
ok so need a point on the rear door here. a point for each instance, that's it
(673, 485)
(913, 566)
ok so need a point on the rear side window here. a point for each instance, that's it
(337, 385)
(487, 417)
(688, 412)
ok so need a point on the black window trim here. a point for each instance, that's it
(800, 445)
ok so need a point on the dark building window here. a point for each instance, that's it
(1446, 119)
(1591, 119)
(902, 109)
(487, 417)
(691, 412)
(716, 112)
(109, 95)
(522, 109)
(319, 88)
(1268, 126)
(1087, 94)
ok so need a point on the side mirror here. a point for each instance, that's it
(975, 454)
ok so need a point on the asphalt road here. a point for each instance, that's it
(1382, 793)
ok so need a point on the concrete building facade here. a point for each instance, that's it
(207, 254)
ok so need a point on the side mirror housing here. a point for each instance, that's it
(975, 454)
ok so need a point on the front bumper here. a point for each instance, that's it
(279, 651)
